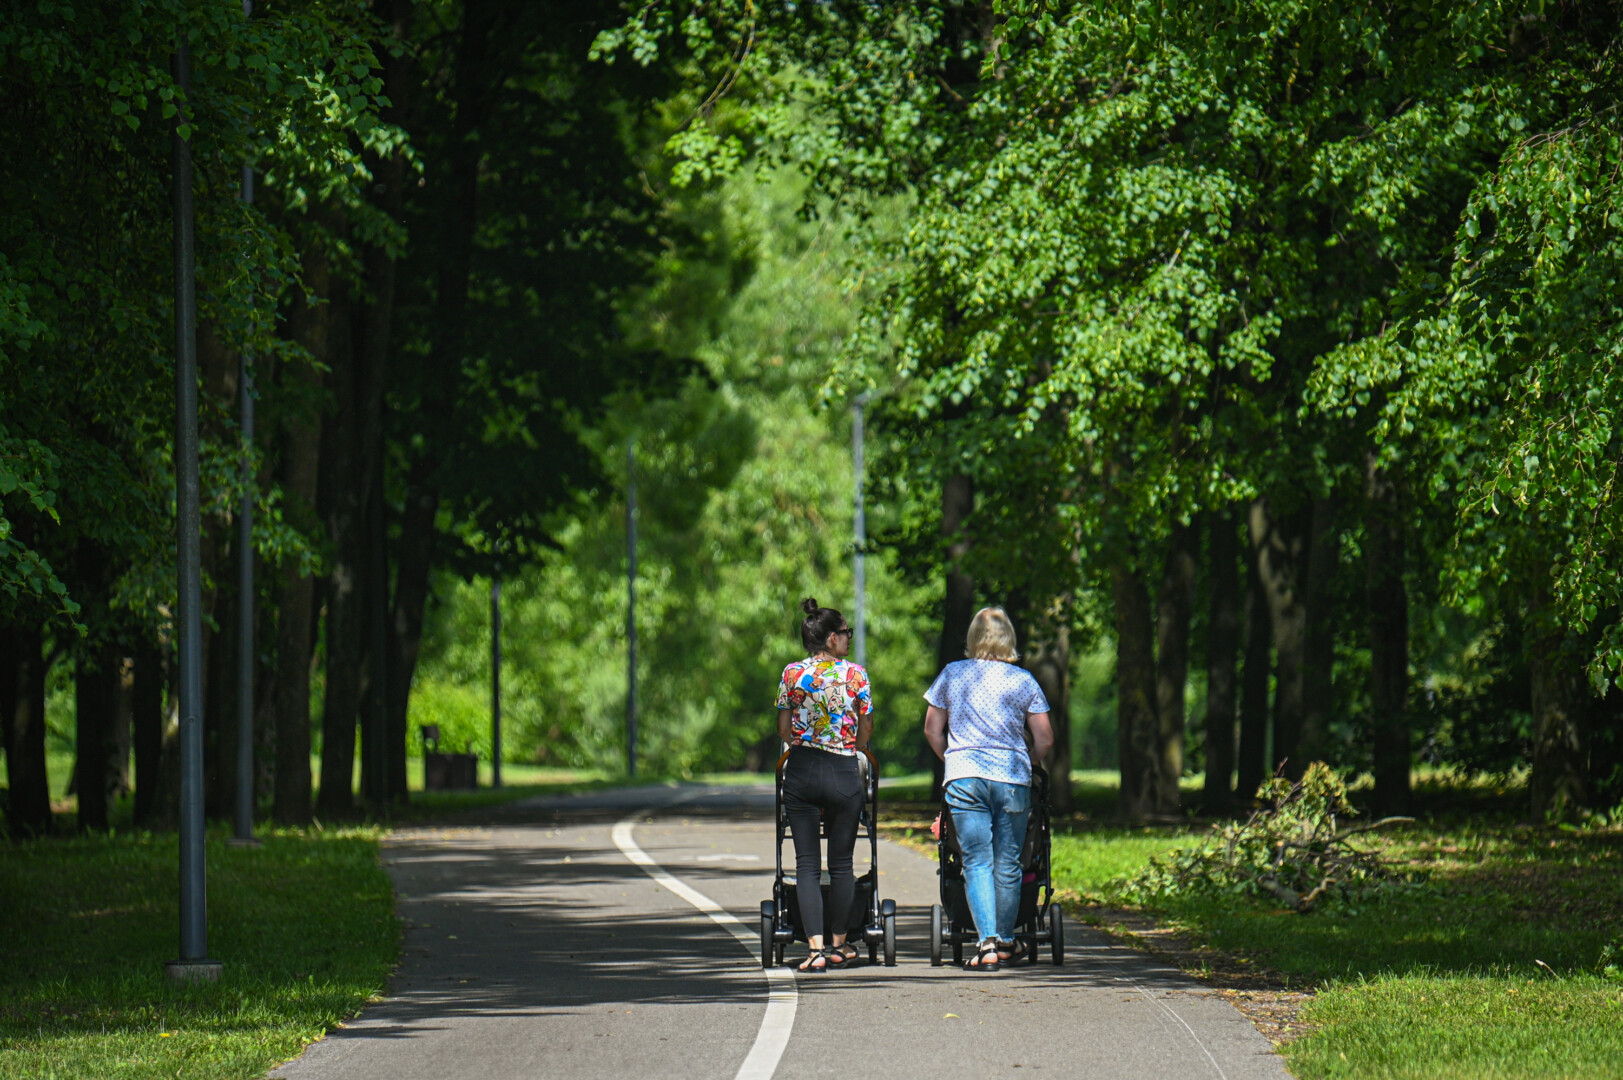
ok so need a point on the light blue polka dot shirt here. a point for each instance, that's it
(987, 702)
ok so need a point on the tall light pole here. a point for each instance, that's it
(244, 833)
(631, 607)
(496, 678)
(193, 964)
(859, 646)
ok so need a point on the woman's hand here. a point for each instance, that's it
(786, 725)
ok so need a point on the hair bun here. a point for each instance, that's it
(809, 606)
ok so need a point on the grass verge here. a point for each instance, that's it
(304, 925)
(1485, 970)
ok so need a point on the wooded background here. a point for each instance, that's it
(1259, 357)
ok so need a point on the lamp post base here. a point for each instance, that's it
(183, 972)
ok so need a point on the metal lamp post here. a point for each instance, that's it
(496, 678)
(859, 645)
(631, 608)
(193, 964)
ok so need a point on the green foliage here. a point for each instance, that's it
(86, 336)
(744, 495)
(1294, 850)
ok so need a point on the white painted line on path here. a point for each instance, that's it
(1170, 1011)
(782, 997)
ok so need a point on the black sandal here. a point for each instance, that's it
(840, 956)
(815, 954)
(1019, 949)
(985, 958)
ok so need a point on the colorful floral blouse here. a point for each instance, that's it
(827, 697)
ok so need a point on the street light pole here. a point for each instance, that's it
(495, 681)
(243, 835)
(631, 608)
(859, 646)
(244, 832)
(193, 965)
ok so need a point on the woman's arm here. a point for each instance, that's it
(786, 729)
(1042, 736)
(935, 730)
(864, 730)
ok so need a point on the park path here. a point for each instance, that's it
(536, 948)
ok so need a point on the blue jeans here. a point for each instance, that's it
(990, 817)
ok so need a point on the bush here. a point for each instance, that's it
(1293, 850)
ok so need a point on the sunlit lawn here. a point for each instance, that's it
(304, 925)
(1486, 970)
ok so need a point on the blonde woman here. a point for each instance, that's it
(979, 711)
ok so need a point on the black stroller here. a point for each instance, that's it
(1039, 922)
(873, 921)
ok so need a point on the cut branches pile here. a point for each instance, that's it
(1295, 850)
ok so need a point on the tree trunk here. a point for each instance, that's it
(958, 608)
(1319, 657)
(343, 510)
(218, 369)
(1388, 602)
(1137, 728)
(458, 218)
(382, 264)
(1252, 763)
(147, 716)
(1281, 550)
(96, 769)
(300, 467)
(391, 744)
(1558, 784)
(1222, 643)
(1047, 655)
(1605, 726)
(122, 719)
(22, 695)
(414, 558)
(1174, 601)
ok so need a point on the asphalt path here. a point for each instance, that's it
(542, 941)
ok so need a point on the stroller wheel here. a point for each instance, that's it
(936, 934)
(1056, 928)
(769, 948)
(890, 940)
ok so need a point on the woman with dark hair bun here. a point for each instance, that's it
(825, 714)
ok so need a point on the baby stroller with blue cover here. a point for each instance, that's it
(1039, 922)
(873, 921)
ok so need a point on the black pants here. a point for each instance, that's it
(818, 783)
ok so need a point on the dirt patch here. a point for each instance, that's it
(1263, 996)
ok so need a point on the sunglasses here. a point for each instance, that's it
(846, 630)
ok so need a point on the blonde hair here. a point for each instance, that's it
(991, 636)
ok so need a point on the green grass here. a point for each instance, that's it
(1445, 980)
(304, 925)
